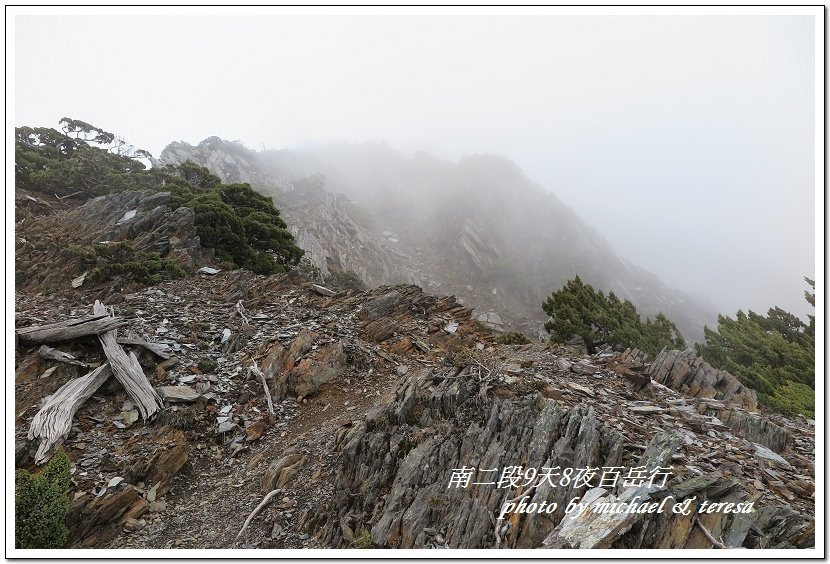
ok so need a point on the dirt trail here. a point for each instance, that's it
(214, 494)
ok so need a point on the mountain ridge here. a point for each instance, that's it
(478, 228)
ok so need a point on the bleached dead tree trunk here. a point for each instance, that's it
(54, 420)
(68, 330)
(128, 371)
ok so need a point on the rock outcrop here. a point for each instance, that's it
(756, 428)
(49, 248)
(320, 221)
(393, 479)
(398, 479)
(148, 474)
(692, 376)
(292, 370)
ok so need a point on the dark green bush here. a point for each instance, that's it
(577, 309)
(40, 505)
(113, 259)
(240, 224)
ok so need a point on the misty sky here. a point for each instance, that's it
(688, 142)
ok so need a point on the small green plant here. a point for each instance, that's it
(538, 385)
(363, 540)
(458, 356)
(81, 253)
(481, 327)
(512, 338)
(199, 327)
(438, 501)
(182, 419)
(414, 415)
(40, 505)
(348, 279)
(207, 365)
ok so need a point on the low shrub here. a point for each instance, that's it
(40, 505)
(512, 338)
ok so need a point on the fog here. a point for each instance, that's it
(687, 141)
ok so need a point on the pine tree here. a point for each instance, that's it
(577, 309)
(772, 354)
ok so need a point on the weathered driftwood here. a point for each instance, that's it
(54, 420)
(154, 348)
(128, 371)
(68, 330)
(53, 354)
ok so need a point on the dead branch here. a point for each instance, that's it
(254, 369)
(68, 330)
(240, 311)
(49, 353)
(154, 348)
(323, 291)
(485, 376)
(709, 535)
(39, 202)
(54, 420)
(256, 510)
(128, 371)
(73, 194)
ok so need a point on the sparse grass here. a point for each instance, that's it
(207, 365)
(182, 419)
(348, 279)
(414, 415)
(461, 357)
(118, 399)
(363, 540)
(538, 385)
(437, 501)
(481, 327)
(458, 356)
(512, 338)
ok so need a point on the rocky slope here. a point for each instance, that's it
(322, 222)
(378, 397)
(354, 410)
(478, 229)
(53, 249)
